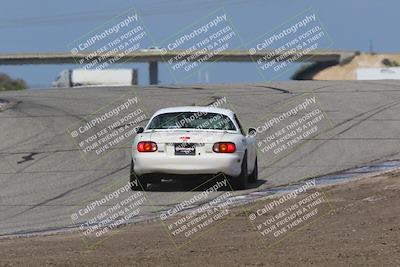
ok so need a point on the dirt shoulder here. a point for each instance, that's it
(362, 229)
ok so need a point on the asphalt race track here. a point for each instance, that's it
(43, 179)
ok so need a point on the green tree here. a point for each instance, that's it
(7, 83)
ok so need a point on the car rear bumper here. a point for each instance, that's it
(209, 163)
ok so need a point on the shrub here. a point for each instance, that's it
(7, 83)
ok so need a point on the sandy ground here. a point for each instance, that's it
(362, 229)
(348, 71)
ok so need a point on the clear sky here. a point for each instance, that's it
(51, 25)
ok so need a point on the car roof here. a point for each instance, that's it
(205, 109)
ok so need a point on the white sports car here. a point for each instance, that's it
(193, 141)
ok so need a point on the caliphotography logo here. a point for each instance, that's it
(111, 126)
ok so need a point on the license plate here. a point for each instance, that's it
(185, 149)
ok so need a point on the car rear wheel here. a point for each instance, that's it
(253, 177)
(137, 183)
(240, 182)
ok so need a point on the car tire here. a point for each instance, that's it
(253, 177)
(141, 185)
(240, 182)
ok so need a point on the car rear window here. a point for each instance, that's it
(191, 120)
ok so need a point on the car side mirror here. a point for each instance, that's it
(140, 130)
(252, 132)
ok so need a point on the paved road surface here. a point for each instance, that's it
(43, 179)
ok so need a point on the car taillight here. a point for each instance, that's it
(224, 147)
(146, 146)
